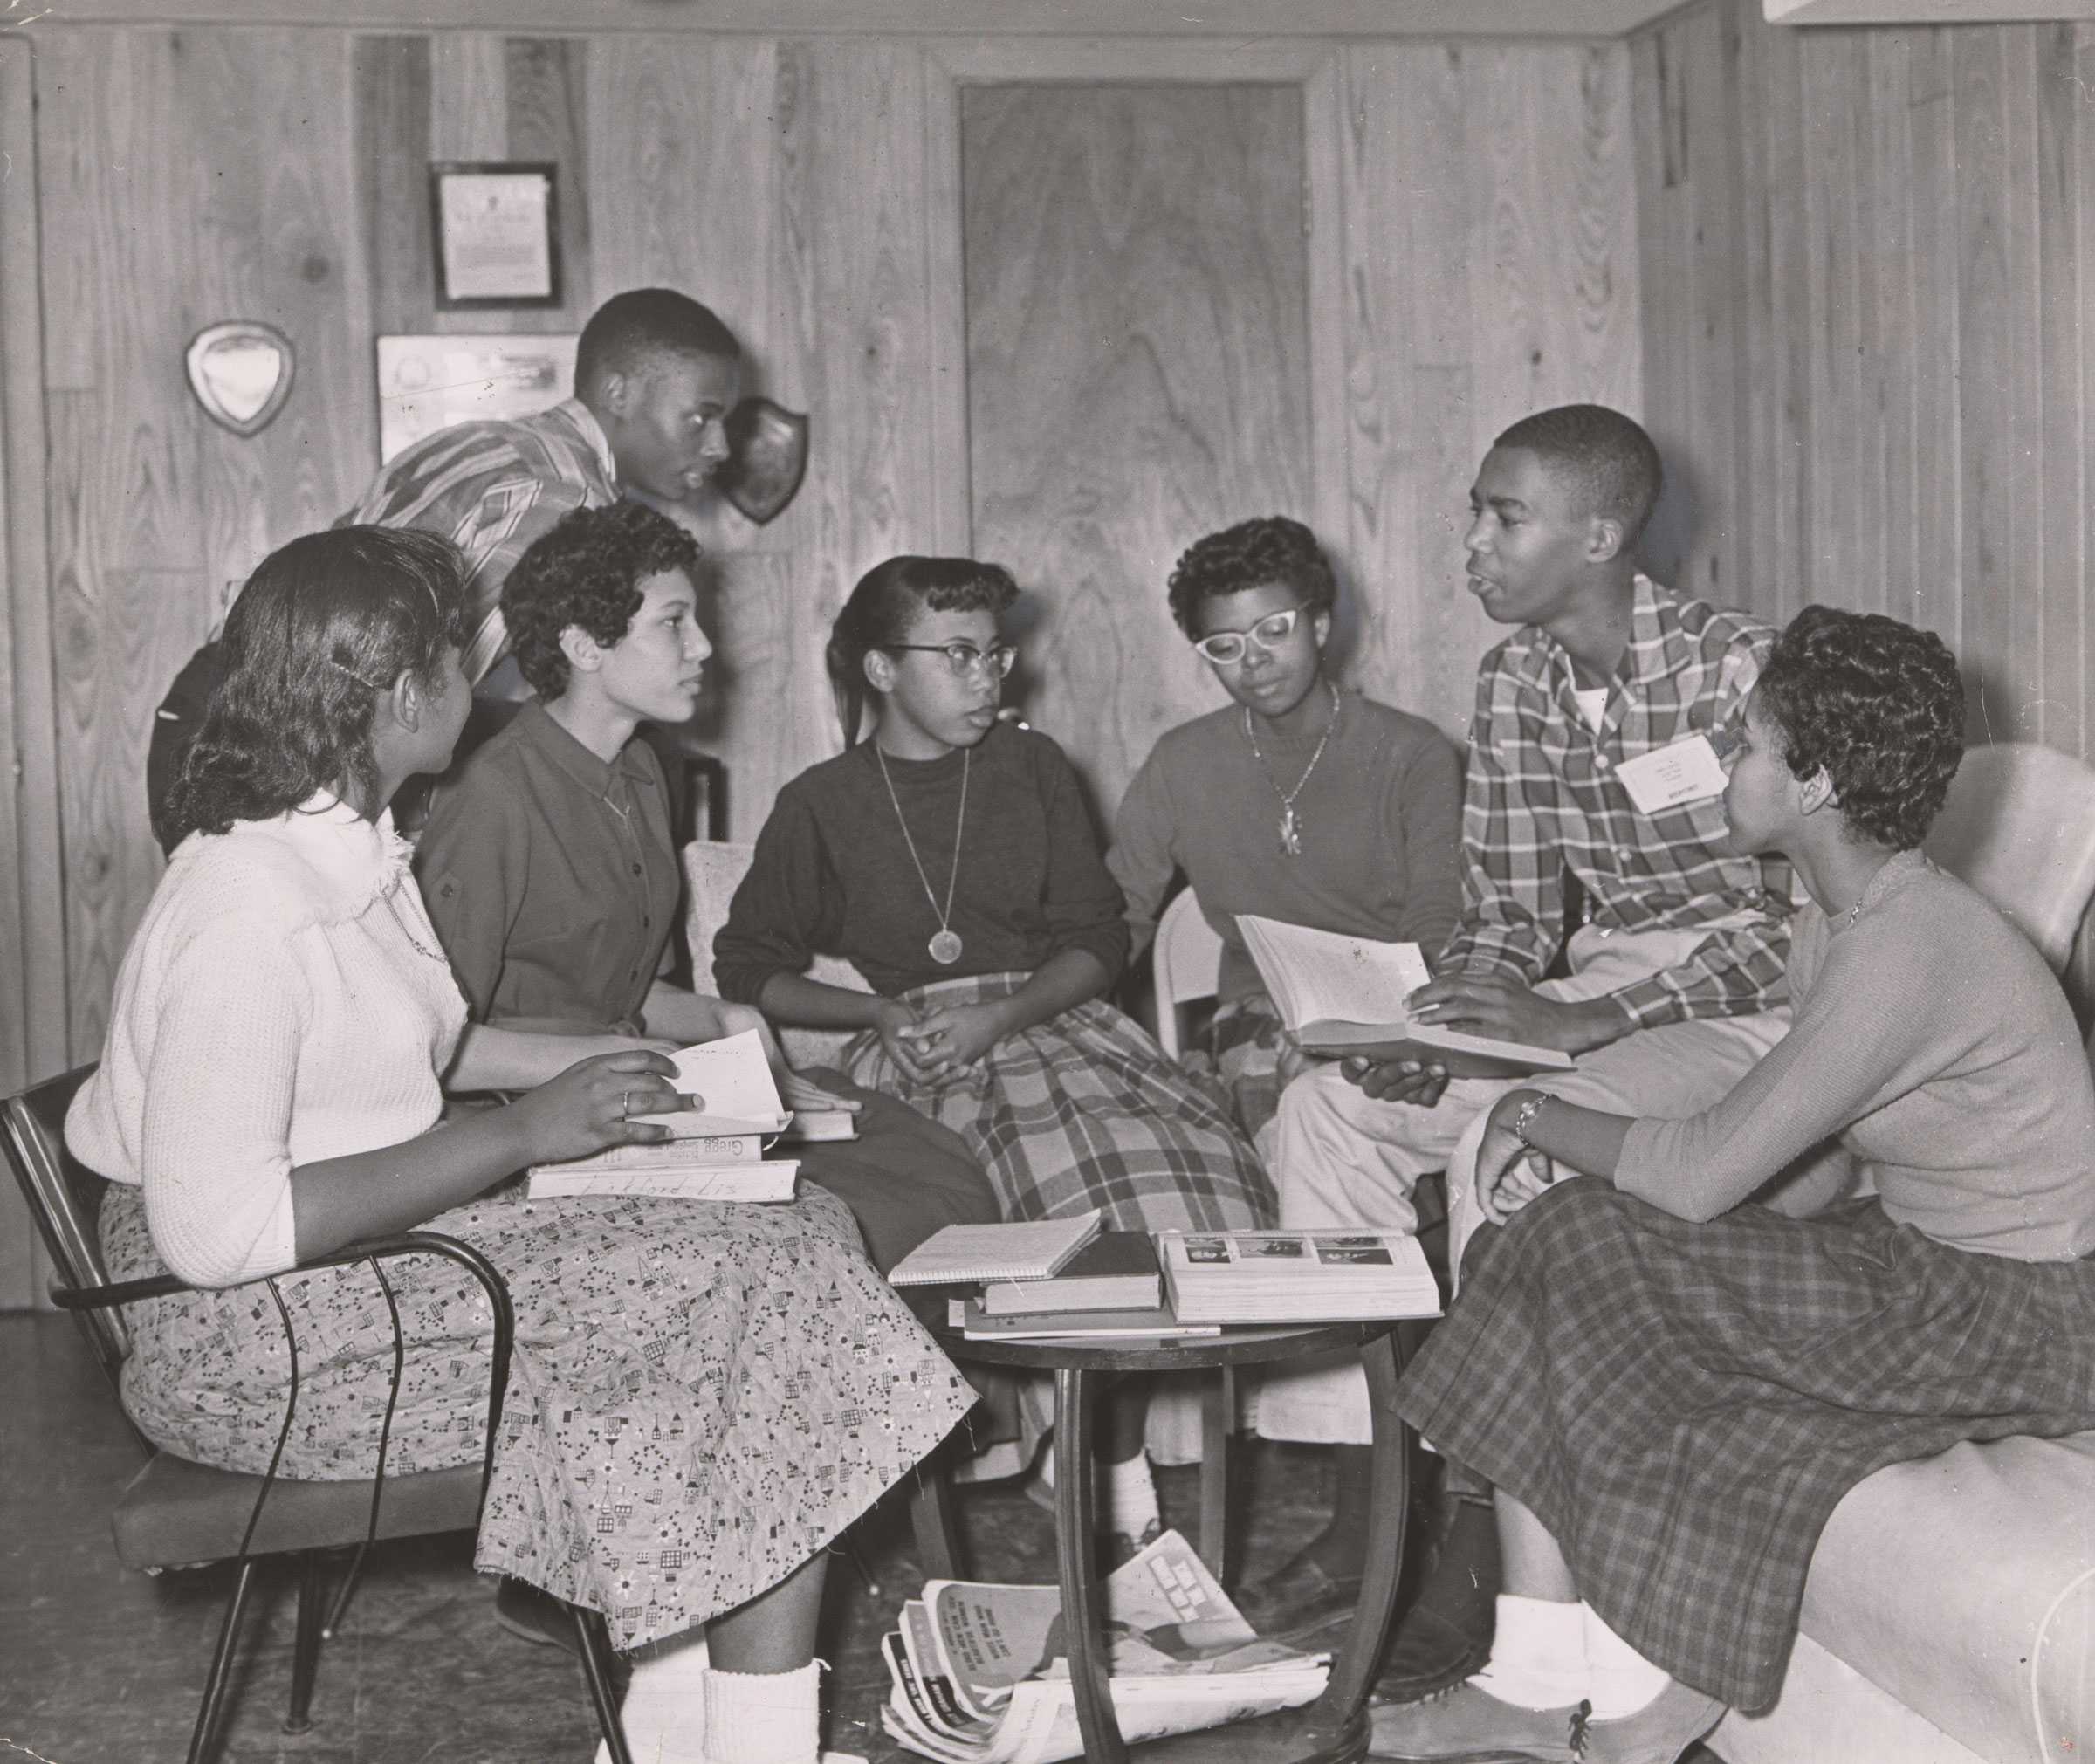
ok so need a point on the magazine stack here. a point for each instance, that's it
(980, 1674)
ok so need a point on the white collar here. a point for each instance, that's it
(356, 862)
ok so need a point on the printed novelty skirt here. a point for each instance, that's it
(703, 1395)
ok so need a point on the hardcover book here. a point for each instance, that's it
(1344, 996)
(1116, 1271)
(1296, 1276)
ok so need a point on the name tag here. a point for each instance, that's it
(1686, 772)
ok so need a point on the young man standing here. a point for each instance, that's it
(1677, 979)
(655, 374)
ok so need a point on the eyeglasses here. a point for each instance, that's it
(1226, 647)
(964, 658)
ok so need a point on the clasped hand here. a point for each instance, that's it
(940, 1041)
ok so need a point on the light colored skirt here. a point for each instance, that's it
(703, 1395)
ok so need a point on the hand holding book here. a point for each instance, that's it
(1355, 997)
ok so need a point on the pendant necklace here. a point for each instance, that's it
(407, 930)
(945, 946)
(1291, 823)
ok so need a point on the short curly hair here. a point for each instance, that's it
(1611, 464)
(1876, 704)
(1252, 554)
(630, 329)
(587, 571)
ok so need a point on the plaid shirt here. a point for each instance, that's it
(492, 488)
(1542, 795)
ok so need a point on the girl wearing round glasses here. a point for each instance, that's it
(951, 859)
(1296, 801)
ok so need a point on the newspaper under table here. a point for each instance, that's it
(980, 1673)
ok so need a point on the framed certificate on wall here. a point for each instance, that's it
(497, 243)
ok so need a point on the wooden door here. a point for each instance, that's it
(1138, 373)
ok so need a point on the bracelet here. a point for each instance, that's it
(1523, 1118)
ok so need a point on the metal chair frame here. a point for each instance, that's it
(1185, 961)
(54, 1184)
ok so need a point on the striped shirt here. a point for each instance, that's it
(492, 488)
(1542, 796)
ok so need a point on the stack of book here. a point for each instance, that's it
(1296, 1276)
(715, 1152)
(1050, 1281)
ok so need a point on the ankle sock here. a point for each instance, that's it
(1624, 1681)
(1538, 1654)
(763, 1717)
(663, 1712)
(1130, 1497)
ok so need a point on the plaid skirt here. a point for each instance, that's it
(1684, 1406)
(1084, 1111)
(702, 1395)
(1240, 1049)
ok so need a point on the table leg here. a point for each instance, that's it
(1076, 1554)
(1218, 1413)
(939, 1548)
(1353, 1672)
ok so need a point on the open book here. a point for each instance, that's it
(1344, 995)
(714, 1153)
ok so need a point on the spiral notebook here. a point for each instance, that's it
(1032, 1249)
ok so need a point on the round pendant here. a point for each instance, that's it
(945, 948)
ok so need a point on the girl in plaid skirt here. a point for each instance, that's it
(1671, 1385)
(951, 857)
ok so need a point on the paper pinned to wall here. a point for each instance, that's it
(426, 383)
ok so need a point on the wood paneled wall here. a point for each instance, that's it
(1137, 374)
(1166, 335)
(1869, 288)
(1488, 266)
(1466, 222)
(1869, 302)
(782, 183)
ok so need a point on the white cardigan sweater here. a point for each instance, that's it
(284, 1000)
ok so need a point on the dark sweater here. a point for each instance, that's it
(832, 874)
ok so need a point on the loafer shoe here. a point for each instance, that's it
(1469, 1726)
(1658, 1732)
(1299, 1598)
(1446, 1633)
(534, 1616)
(1428, 1654)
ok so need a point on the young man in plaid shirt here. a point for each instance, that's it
(1677, 981)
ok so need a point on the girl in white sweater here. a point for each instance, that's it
(681, 1441)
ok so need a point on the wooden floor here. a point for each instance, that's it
(102, 1666)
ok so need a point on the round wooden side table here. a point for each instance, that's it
(1332, 1730)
